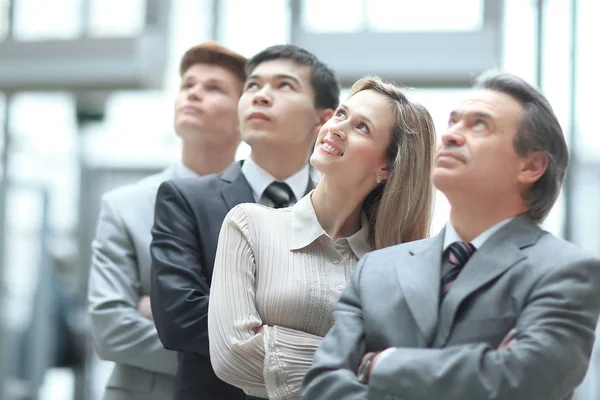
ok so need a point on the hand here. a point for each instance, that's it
(257, 329)
(144, 308)
(509, 339)
(365, 358)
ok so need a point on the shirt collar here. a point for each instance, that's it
(452, 236)
(181, 171)
(306, 229)
(259, 179)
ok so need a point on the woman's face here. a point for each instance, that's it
(351, 146)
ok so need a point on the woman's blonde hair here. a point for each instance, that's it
(399, 209)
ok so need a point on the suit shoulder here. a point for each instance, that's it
(400, 249)
(197, 186)
(552, 249)
(132, 192)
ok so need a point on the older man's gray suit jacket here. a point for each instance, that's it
(522, 277)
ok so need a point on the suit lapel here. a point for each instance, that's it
(499, 253)
(238, 189)
(419, 277)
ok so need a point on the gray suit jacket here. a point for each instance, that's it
(119, 276)
(522, 277)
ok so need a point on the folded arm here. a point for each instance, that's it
(548, 359)
(120, 332)
(555, 334)
(333, 373)
(276, 358)
(180, 288)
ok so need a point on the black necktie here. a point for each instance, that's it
(280, 194)
(458, 255)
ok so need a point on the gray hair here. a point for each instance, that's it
(539, 131)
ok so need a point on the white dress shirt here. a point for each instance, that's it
(259, 179)
(182, 171)
(451, 236)
(275, 268)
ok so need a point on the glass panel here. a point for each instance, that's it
(44, 150)
(4, 22)
(250, 26)
(39, 20)
(328, 16)
(588, 85)
(424, 15)
(142, 125)
(519, 38)
(116, 17)
(2, 116)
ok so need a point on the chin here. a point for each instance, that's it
(443, 179)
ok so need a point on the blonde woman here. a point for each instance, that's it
(279, 272)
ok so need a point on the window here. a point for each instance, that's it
(116, 17)
(39, 20)
(328, 16)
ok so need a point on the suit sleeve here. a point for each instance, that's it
(179, 285)
(275, 359)
(120, 333)
(549, 359)
(333, 372)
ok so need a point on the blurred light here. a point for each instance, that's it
(250, 26)
(328, 16)
(40, 20)
(116, 17)
(4, 22)
(424, 15)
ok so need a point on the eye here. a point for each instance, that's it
(480, 124)
(341, 114)
(284, 85)
(451, 121)
(187, 85)
(251, 86)
(363, 128)
(214, 88)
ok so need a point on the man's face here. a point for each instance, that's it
(277, 107)
(477, 155)
(206, 105)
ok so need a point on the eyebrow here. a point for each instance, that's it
(361, 116)
(276, 77)
(479, 114)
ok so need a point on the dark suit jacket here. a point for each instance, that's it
(187, 221)
(522, 277)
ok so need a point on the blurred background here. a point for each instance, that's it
(86, 104)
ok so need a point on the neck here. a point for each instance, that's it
(471, 218)
(280, 163)
(207, 158)
(338, 209)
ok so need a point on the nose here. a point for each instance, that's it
(195, 93)
(337, 130)
(262, 98)
(453, 136)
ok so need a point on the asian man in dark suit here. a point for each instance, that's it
(493, 307)
(287, 96)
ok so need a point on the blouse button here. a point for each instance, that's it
(335, 261)
(339, 287)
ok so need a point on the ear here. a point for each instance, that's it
(384, 171)
(533, 167)
(324, 115)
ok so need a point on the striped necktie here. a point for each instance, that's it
(458, 255)
(280, 194)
